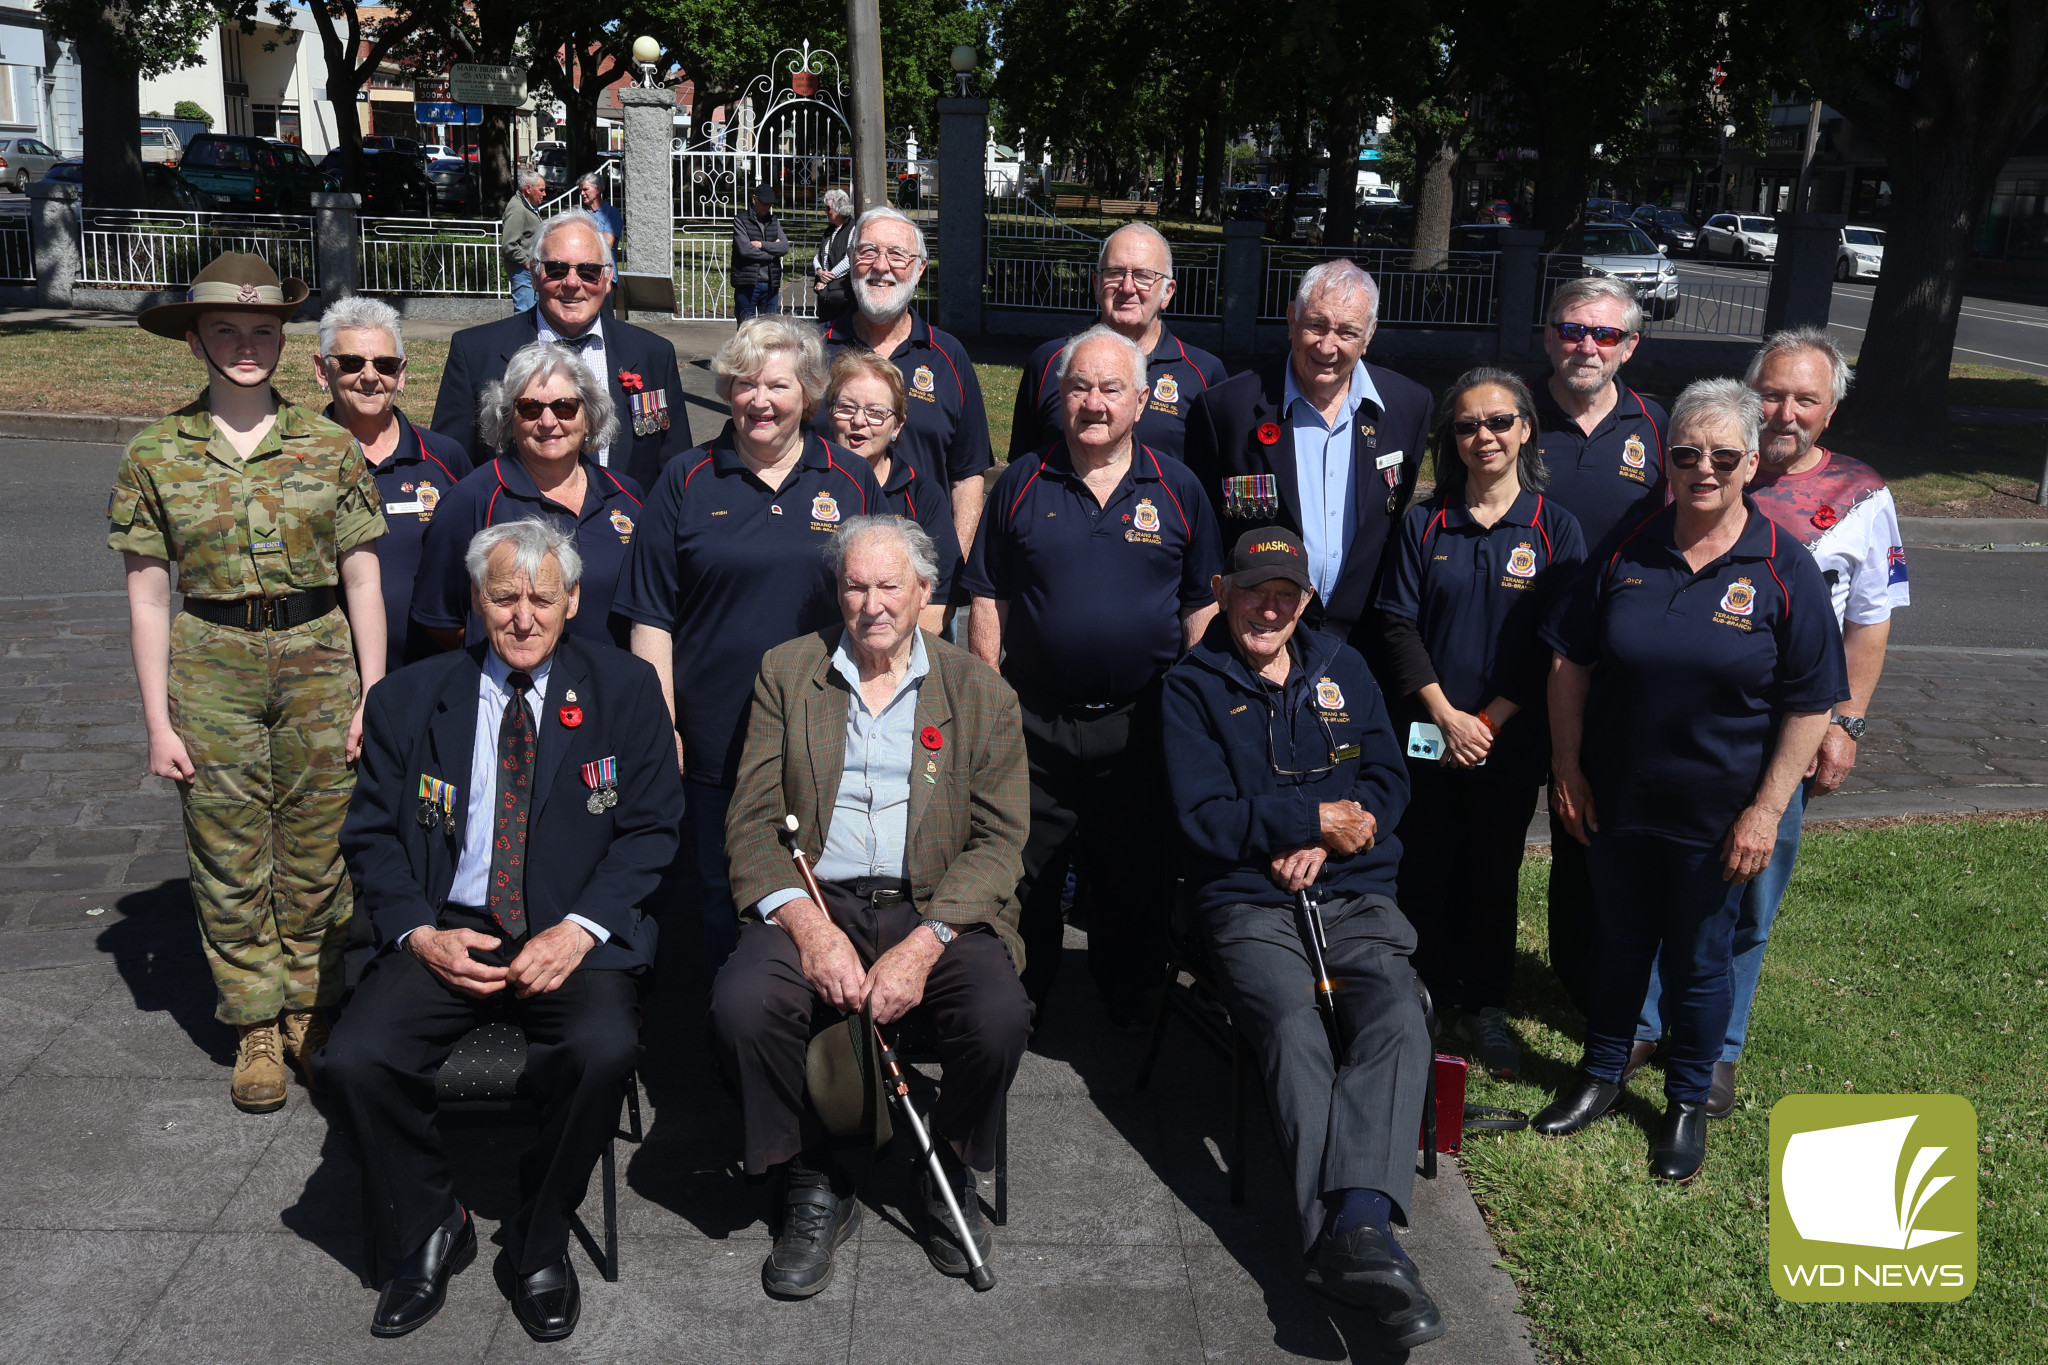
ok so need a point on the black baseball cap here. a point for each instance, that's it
(1265, 553)
(763, 194)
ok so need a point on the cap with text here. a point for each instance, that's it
(1265, 553)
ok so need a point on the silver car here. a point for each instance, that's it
(23, 159)
(1860, 255)
(1620, 251)
(1740, 237)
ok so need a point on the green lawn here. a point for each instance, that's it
(1907, 960)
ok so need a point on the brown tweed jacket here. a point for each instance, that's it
(968, 818)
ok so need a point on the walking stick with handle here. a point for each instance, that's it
(978, 1272)
(1318, 944)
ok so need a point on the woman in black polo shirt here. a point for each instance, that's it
(864, 400)
(1467, 585)
(1697, 660)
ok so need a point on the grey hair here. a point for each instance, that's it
(1794, 339)
(840, 202)
(1143, 229)
(363, 312)
(593, 179)
(532, 540)
(531, 363)
(883, 213)
(1720, 400)
(917, 544)
(1140, 364)
(746, 352)
(1340, 276)
(532, 177)
(1594, 289)
(569, 218)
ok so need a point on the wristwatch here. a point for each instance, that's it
(1855, 725)
(942, 931)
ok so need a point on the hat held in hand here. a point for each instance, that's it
(232, 282)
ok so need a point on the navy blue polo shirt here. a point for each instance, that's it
(911, 492)
(502, 491)
(1477, 596)
(414, 478)
(1602, 478)
(732, 568)
(1095, 591)
(1177, 372)
(946, 427)
(1693, 671)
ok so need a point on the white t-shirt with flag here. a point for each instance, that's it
(1843, 514)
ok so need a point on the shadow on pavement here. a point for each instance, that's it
(155, 947)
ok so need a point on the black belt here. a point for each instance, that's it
(876, 891)
(264, 613)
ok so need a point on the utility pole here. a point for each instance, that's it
(870, 150)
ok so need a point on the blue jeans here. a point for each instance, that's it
(1752, 930)
(522, 290)
(704, 809)
(760, 297)
(1659, 901)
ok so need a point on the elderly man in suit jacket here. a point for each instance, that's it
(573, 277)
(902, 759)
(470, 759)
(1318, 441)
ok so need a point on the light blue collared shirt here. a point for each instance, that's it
(870, 833)
(1323, 471)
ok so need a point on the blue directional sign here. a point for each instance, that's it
(436, 111)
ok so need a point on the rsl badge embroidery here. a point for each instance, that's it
(1329, 696)
(623, 524)
(1166, 390)
(824, 508)
(1147, 516)
(1740, 599)
(921, 379)
(1522, 561)
(1632, 453)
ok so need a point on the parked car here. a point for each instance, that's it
(393, 184)
(1606, 210)
(1379, 194)
(254, 174)
(1386, 224)
(1499, 211)
(1247, 205)
(1618, 251)
(1673, 228)
(23, 159)
(440, 151)
(404, 146)
(1860, 254)
(551, 159)
(161, 145)
(162, 186)
(1740, 237)
(455, 187)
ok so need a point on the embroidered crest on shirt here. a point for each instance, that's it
(1522, 562)
(1632, 452)
(1329, 696)
(623, 524)
(1166, 390)
(921, 380)
(1147, 518)
(1737, 604)
(430, 498)
(824, 508)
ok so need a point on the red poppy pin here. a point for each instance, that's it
(1826, 517)
(931, 738)
(1269, 433)
(630, 382)
(572, 716)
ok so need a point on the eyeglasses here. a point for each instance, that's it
(1145, 280)
(590, 272)
(530, 409)
(1273, 758)
(867, 253)
(387, 365)
(1572, 333)
(1499, 423)
(1725, 459)
(849, 412)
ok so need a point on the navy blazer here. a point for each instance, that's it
(421, 721)
(1223, 441)
(478, 355)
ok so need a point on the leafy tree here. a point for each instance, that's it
(342, 35)
(119, 43)
(191, 110)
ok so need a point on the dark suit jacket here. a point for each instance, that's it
(478, 355)
(421, 720)
(967, 823)
(1223, 441)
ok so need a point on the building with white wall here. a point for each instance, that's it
(270, 83)
(38, 79)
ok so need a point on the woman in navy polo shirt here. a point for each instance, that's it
(1467, 585)
(545, 416)
(728, 566)
(1698, 660)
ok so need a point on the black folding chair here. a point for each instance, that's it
(1201, 1004)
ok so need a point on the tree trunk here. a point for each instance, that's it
(1436, 155)
(1169, 170)
(1341, 133)
(1563, 160)
(111, 92)
(1214, 194)
(338, 49)
(1191, 167)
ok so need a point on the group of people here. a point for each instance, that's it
(1222, 669)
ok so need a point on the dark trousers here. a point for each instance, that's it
(380, 1065)
(1097, 779)
(757, 298)
(1462, 839)
(704, 808)
(1664, 901)
(974, 1015)
(1571, 914)
(1341, 1127)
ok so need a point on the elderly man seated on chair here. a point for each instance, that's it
(1284, 777)
(532, 740)
(902, 759)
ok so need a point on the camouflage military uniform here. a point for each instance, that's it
(264, 714)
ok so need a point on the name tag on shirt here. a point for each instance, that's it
(415, 507)
(1389, 460)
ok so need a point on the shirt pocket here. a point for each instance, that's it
(303, 511)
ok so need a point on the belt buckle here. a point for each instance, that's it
(273, 613)
(882, 896)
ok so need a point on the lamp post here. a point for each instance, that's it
(1721, 167)
(646, 53)
(965, 59)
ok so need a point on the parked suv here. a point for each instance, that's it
(1740, 237)
(23, 159)
(254, 174)
(162, 187)
(1672, 228)
(393, 184)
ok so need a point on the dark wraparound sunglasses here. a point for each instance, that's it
(387, 365)
(1725, 459)
(590, 272)
(1498, 423)
(1575, 332)
(530, 409)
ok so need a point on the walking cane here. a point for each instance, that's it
(1318, 943)
(978, 1273)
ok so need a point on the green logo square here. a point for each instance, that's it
(1873, 1198)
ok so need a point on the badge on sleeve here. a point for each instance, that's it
(602, 777)
(1329, 696)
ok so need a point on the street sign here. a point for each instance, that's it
(440, 111)
(475, 83)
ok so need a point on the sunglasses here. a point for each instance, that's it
(1724, 459)
(530, 409)
(1575, 332)
(590, 272)
(1498, 424)
(387, 365)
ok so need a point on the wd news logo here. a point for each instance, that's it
(1873, 1198)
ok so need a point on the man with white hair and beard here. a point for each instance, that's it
(946, 427)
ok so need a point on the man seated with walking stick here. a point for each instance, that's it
(1285, 778)
(902, 760)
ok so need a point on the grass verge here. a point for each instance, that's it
(1906, 961)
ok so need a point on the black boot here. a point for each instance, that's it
(416, 1291)
(1587, 1100)
(816, 1218)
(1681, 1146)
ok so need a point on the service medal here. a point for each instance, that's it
(595, 803)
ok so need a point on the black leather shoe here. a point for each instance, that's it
(815, 1220)
(1360, 1268)
(1681, 1146)
(941, 1240)
(548, 1302)
(1587, 1100)
(1640, 1054)
(1721, 1094)
(416, 1292)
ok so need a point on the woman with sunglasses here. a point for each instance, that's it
(545, 418)
(1470, 580)
(1697, 661)
(361, 364)
(864, 401)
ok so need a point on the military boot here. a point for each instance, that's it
(305, 1033)
(260, 1077)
